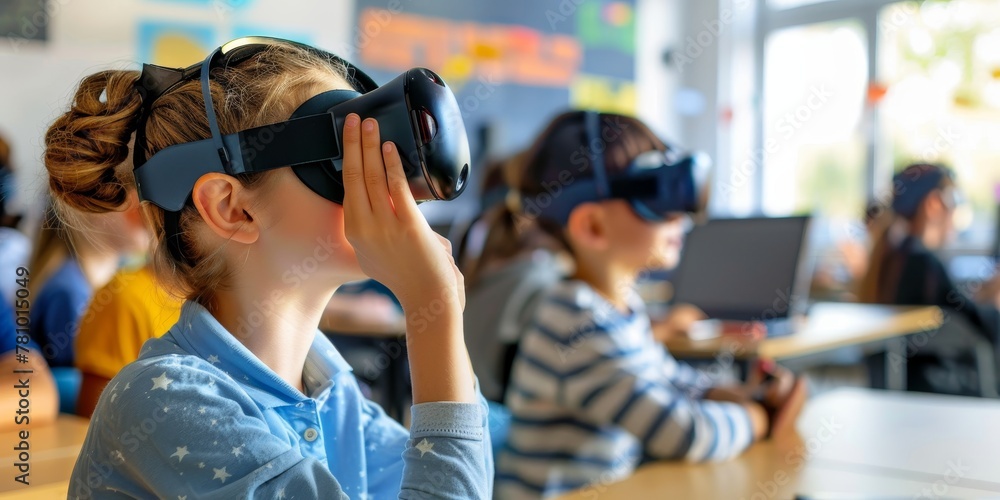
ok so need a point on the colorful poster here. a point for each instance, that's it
(175, 44)
(512, 64)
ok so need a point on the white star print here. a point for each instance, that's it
(221, 474)
(237, 450)
(166, 409)
(281, 493)
(180, 497)
(201, 410)
(424, 446)
(201, 465)
(127, 385)
(114, 396)
(214, 421)
(213, 359)
(161, 382)
(180, 453)
(118, 455)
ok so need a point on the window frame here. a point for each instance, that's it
(770, 20)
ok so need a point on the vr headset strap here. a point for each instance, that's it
(302, 140)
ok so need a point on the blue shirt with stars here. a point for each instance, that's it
(199, 416)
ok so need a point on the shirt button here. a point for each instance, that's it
(299, 404)
(310, 434)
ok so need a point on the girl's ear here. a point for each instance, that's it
(223, 204)
(588, 227)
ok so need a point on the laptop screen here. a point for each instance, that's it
(745, 269)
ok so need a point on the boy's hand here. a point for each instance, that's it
(677, 322)
(392, 240)
(781, 393)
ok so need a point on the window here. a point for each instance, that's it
(815, 78)
(908, 81)
(940, 65)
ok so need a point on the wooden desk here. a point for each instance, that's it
(829, 326)
(851, 442)
(389, 330)
(53, 449)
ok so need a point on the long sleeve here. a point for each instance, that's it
(608, 383)
(924, 280)
(449, 453)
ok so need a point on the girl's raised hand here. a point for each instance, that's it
(395, 246)
(392, 240)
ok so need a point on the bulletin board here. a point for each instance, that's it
(513, 64)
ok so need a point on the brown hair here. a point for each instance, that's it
(50, 250)
(87, 147)
(561, 148)
(5, 154)
(878, 286)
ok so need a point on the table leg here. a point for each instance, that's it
(895, 364)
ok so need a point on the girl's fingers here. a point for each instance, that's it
(445, 242)
(375, 177)
(399, 187)
(355, 193)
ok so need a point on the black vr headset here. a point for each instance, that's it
(657, 184)
(416, 111)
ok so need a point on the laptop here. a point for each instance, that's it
(750, 269)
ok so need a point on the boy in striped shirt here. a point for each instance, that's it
(592, 394)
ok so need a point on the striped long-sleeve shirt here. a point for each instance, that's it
(592, 395)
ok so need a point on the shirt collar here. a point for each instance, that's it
(199, 333)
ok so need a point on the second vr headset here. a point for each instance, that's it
(657, 184)
(416, 111)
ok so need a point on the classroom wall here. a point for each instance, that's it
(37, 79)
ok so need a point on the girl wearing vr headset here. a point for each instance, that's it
(592, 393)
(905, 270)
(244, 396)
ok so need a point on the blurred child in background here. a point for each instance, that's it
(592, 393)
